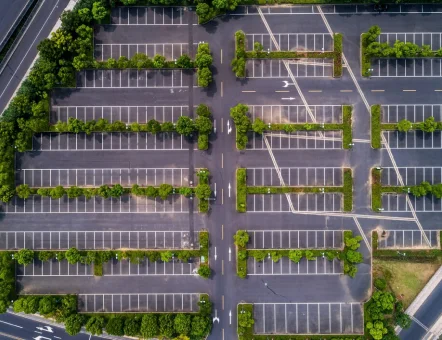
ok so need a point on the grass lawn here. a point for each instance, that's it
(404, 279)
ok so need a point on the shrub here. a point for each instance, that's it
(24, 256)
(114, 326)
(204, 271)
(241, 238)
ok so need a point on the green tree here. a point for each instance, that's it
(85, 15)
(159, 61)
(200, 326)
(165, 190)
(95, 325)
(245, 319)
(203, 110)
(117, 190)
(152, 192)
(204, 125)
(24, 256)
(203, 60)
(204, 77)
(383, 300)
(115, 326)
(99, 12)
(166, 325)
(132, 326)
(23, 191)
(57, 192)
(241, 238)
(240, 118)
(104, 191)
(167, 127)
(73, 255)
(166, 255)
(204, 271)
(404, 125)
(429, 125)
(45, 255)
(352, 243)
(73, 324)
(186, 191)
(140, 61)
(74, 192)
(202, 9)
(203, 191)
(436, 190)
(354, 256)
(259, 126)
(27, 304)
(47, 305)
(203, 142)
(422, 189)
(185, 126)
(257, 46)
(153, 126)
(377, 330)
(149, 326)
(295, 255)
(184, 61)
(275, 255)
(182, 324)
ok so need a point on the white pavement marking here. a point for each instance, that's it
(407, 239)
(368, 109)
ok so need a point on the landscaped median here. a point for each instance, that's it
(420, 190)
(244, 125)
(349, 254)
(241, 55)
(428, 125)
(371, 48)
(98, 257)
(242, 190)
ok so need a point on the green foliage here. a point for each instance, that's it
(239, 62)
(23, 191)
(404, 125)
(182, 324)
(241, 238)
(165, 190)
(203, 142)
(275, 255)
(295, 255)
(45, 255)
(201, 325)
(166, 325)
(132, 326)
(204, 125)
(245, 319)
(380, 284)
(241, 190)
(95, 325)
(149, 326)
(376, 126)
(115, 326)
(73, 255)
(99, 12)
(259, 126)
(204, 77)
(203, 110)
(184, 61)
(159, 61)
(204, 271)
(27, 304)
(421, 190)
(24, 256)
(203, 191)
(73, 324)
(354, 256)
(57, 192)
(240, 117)
(429, 125)
(185, 126)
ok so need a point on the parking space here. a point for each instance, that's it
(432, 39)
(171, 51)
(177, 177)
(414, 113)
(301, 42)
(319, 266)
(408, 239)
(328, 202)
(297, 114)
(133, 78)
(151, 16)
(146, 268)
(95, 240)
(415, 139)
(295, 176)
(126, 114)
(308, 318)
(398, 203)
(126, 204)
(300, 68)
(294, 239)
(54, 268)
(153, 303)
(411, 175)
(300, 140)
(109, 141)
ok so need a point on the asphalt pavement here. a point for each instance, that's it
(11, 13)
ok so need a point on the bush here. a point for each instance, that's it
(23, 191)
(73, 324)
(203, 142)
(203, 111)
(241, 238)
(132, 326)
(149, 326)
(114, 326)
(73, 256)
(24, 256)
(380, 284)
(182, 324)
(95, 325)
(204, 271)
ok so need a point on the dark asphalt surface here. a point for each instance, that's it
(10, 13)
(38, 29)
(222, 158)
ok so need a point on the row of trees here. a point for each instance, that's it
(239, 61)
(203, 61)
(243, 124)
(429, 125)
(140, 61)
(105, 191)
(425, 188)
(7, 280)
(64, 309)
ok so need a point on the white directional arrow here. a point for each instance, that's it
(229, 129)
(215, 254)
(230, 254)
(41, 338)
(229, 189)
(286, 83)
(216, 316)
(230, 317)
(214, 125)
(215, 190)
(46, 329)
(290, 98)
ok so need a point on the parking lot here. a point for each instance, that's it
(300, 42)
(171, 51)
(126, 204)
(151, 16)
(295, 239)
(177, 177)
(319, 266)
(109, 141)
(276, 203)
(300, 68)
(308, 318)
(95, 240)
(295, 176)
(408, 239)
(296, 114)
(300, 140)
(123, 303)
(133, 78)
(126, 114)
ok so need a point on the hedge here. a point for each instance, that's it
(241, 55)
(204, 194)
(241, 190)
(7, 280)
(346, 190)
(376, 126)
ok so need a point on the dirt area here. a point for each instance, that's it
(405, 279)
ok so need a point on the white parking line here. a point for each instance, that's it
(415, 113)
(412, 175)
(171, 51)
(408, 239)
(297, 114)
(292, 41)
(302, 68)
(149, 16)
(276, 203)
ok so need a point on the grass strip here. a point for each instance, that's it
(239, 62)
(241, 190)
(376, 190)
(365, 59)
(203, 204)
(374, 240)
(337, 55)
(348, 190)
(245, 321)
(376, 126)
(428, 255)
(347, 136)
